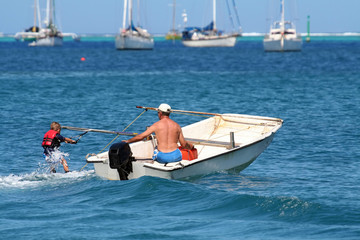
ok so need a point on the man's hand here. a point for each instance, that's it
(189, 146)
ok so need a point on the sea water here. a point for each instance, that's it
(304, 186)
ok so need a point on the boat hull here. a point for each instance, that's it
(47, 42)
(282, 45)
(235, 160)
(125, 42)
(211, 42)
(225, 142)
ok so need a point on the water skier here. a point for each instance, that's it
(51, 143)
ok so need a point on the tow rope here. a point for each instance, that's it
(79, 136)
(113, 139)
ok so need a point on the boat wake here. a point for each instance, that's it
(37, 179)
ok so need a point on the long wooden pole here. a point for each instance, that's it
(216, 114)
(184, 111)
(99, 130)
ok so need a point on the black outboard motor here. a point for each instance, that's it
(121, 158)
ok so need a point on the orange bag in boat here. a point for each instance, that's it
(188, 154)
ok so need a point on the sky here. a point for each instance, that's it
(105, 16)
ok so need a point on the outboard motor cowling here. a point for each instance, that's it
(121, 158)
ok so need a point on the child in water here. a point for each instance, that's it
(51, 144)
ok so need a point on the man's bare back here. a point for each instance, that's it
(167, 133)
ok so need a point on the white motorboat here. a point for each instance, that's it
(48, 35)
(282, 36)
(132, 38)
(208, 36)
(228, 142)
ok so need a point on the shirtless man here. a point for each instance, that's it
(168, 134)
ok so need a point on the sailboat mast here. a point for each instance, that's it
(39, 16)
(47, 14)
(282, 25)
(174, 7)
(214, 13)
(53, 12)
(50, 12)
(130, 15)
(124, 15)
(138, 13)
(34, 26)
(282, 15)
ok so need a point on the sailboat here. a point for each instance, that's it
(44, 36)
(34, 28)
(282, 36)
(50, 35)
(132, 37)
(208, 36)
(30, 34)
(173, 34)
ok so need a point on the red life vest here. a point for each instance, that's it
(49, 139)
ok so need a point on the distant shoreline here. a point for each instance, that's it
(249, 34)
(348, 36)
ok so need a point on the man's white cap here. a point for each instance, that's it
(164, 107)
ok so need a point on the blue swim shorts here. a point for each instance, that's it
(173, 156)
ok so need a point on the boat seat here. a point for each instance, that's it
(196, 141)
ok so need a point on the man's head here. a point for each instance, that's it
(55, 126)
(165, 109)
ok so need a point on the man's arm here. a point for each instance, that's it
(141, 136)
(185, 144)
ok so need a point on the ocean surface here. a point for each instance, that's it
(304, 186)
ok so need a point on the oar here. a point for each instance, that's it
(216, 114)
(99, 130)
(184, 111)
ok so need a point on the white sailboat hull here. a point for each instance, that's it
(128, 42)
(47, 42)
(211, 42)
(282, 45)
(252, 135)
